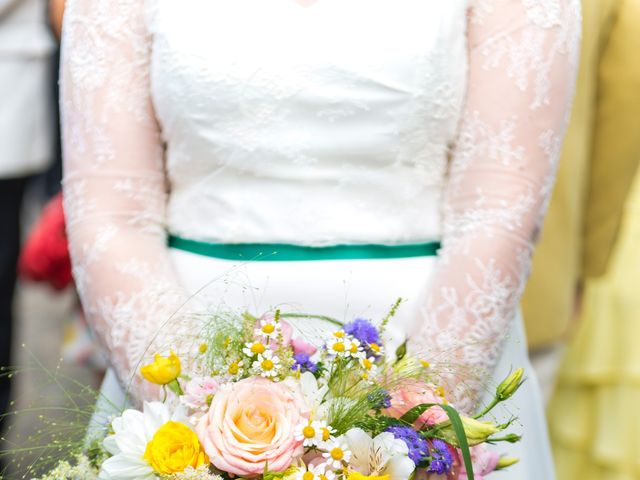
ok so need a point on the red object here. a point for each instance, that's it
(45, 255)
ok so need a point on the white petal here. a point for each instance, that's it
(359, 443)
(126, 467)
(400, 468)
(156, 414)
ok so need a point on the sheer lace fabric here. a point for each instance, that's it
(522, 65)
(375, 171)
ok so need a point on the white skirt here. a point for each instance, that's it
(346, 289)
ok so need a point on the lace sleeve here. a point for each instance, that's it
(522, 64)
(114, 181)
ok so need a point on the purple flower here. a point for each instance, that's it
(379, 399)
(363, 330)
(302, 362)
(418, 446)
(440, 457)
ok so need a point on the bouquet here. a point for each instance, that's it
(256, 402)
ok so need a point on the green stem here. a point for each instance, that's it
(308, 315)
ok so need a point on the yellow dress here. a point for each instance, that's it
(594, 414)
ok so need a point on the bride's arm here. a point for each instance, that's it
(522, 63)
(114, 182)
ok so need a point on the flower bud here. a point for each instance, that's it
(506, 462)
(510, 385)
(477, 432)
(163, 370)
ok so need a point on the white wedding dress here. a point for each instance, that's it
(341, 122)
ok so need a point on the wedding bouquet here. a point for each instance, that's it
(257, 402)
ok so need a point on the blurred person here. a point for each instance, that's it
(26, 118)
(587, 266)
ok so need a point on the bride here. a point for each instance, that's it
(330, 154)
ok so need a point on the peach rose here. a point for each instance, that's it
(251, 424)
(409, 395)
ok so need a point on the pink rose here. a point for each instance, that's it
(198, 392)
(484, 462)
(409, 395)
(250, 424)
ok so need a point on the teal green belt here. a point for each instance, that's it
(279, 252)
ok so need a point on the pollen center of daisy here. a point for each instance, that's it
(309, 431)
(338, 347)
(375, 347)
(354, 348)
(268, 328)
(233, 368)
(257, 348)
(367, 363)
(267, 364)
(307, 476)
(325, 434)
(337, 453)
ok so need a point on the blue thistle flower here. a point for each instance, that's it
(363, 330)
(379, 399)
(303, 362)
(441, 461)
(418, 446)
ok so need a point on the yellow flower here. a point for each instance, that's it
(358, 476)
(173, 448)
(203, 348)
(163, 370)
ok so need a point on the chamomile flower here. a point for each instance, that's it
(254, 348)
(268, 328)
(236, 369)
(311, 432)
(369, 366)
(376, 349)
(315, 472)
(267, 364)
(327, 433)
(336, 453)
(354, 348)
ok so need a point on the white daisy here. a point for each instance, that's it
(376, 349)
(251, 349)
(315, 472)
(336, 453)
(380, 456)
(369, 366)
(269, 328)
(312, 432)
(267, 364)
(132, 432)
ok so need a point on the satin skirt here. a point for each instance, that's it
(346, 289)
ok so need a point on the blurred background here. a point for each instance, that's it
(581, 307)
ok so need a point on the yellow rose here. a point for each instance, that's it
(173, 448)
(163, 370)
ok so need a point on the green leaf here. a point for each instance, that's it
(458, 428)
(413, 414)
(401, 352)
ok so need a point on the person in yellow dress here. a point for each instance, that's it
(591, 245)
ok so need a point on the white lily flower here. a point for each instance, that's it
(313, 395)
(379, 456)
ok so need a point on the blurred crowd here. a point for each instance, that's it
(581, 306)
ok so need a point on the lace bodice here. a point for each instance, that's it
(347, 121)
